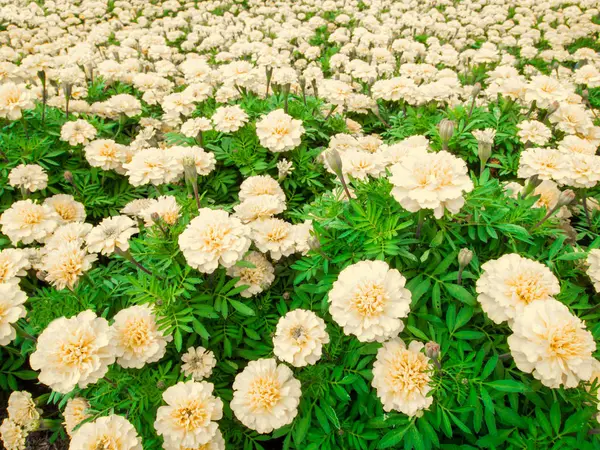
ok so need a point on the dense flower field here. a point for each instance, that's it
(312, 225)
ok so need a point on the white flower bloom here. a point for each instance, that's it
(22, 410)
(213, 238)
(73, 352)
(78, 132)
(402, 377)
(279, 132)
(511, 282)
(153, 165)
(67, 209)
(257, 278)
(111, 432)
(189, 419)
(14, 263)
(111, 233)
(534, 132)
(75, 413)
(261, 185)
(265, 395)
(299, 338)
(165, 206)
(275, 236)
(436, 182)
(205, 162)
(65, 264)
(228, 119)
(30, 177)
(546, 163)
(26, 222)
(13, 436)
(198, 363)
(259, 207)
(74, 232)
(12, 299)
(369, 300)
(553, 344)
(13, 99)
(137, 338)
(106, 154)
(593, 271)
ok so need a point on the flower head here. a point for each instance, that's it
(26, 222)
(299, 338)
(110, 234)
(111, 432)
(28, 176)
(279, 132)
(198, 363)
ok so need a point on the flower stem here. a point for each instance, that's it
(129, 257)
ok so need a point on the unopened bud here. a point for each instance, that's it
(446, 130)
(533, 182)
(334, 160)
(189, 169)
(68, 176)
(286, 296)
(432, 350)
(160, 384)
(464, 257)
(155, 217)
(42, 76)
(476, 90)
(40, 275)
(552, 108)
(565, 197)
(484, 151)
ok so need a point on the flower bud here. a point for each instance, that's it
(565, 197)
(189, 169)
(552, 108)
(446, 130)
(334, 160)
(155, 217)
(532, 183)
(432, 350)
(464, 257)
(68, 176)
(476, 90)
(484, 151)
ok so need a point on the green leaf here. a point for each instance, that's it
(460, 294)
(301, 427)
(489, 367)
(241, 308)
(555, 416)
(508, 386)
(393, 437)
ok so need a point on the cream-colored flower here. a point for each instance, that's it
(65, 234)
(165, 206)
(153, 165)
(257, 278)
(265, 395)
(369, 300)
(26, 222)
(436, 182)
(75, 413)
(216, 443)
(259, 207)
(112, 433)
(137, 338)
(189, 419)
(14, 263)
(22, 410)
(11, 310)
(65, 264)
(552, 344)
(14, 98)
(213, 238)
(67, 208)
(402, 377)
(486, 135)
(299, 338)
(193, 127)
(279, 132)
(534, 132)
(106, 154)
(205, 162)
(13, 436)
(511, 282)
(198, 363)
(228, 119)
(110, 234)
(593, 271)
(135, 207)
(274, 236)
(546, 163)
(78, 132)
(261, 185)
(30, 177)
(73, 352)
